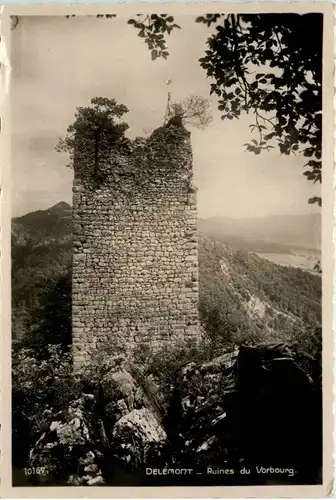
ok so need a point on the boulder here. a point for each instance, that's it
(119, 385)
(277, 406)
(69, 449)
(255, 404)
(120, 394)
(198, 398)
(125, 389)
(135, 436)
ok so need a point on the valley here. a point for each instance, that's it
(299, 260)
(248, 289)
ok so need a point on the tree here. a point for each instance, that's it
(194, 111)
(51, 320)
(40, 388)
(94, 133)
(269, 65)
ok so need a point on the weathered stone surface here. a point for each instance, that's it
(251, 404)
(120, 385)
(219, 412)
(141, 423)
(198, 415)
(124, 389)
(68, 450)
(135, 274)
(135, 436)
(122, 394)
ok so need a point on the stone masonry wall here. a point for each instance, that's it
(135, 260)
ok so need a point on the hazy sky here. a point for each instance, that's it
(59, 64)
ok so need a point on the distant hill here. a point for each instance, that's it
(241, 294)
(53, 224)
(41, 253)
(277, 234)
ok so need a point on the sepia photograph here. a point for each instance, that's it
(166, 248)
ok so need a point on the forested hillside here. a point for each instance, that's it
(41, 268)
(242, 296)
(215, 403)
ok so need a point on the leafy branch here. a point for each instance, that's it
(152, 28)
(266, 64)
(260, 63)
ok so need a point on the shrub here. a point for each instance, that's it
(164, 366)
(102, 359)
(39, 389)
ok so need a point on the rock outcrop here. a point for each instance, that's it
(135, 438)
(69, 452)
(121, 426)
(254, 406)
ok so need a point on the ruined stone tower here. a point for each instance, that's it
(135, 260)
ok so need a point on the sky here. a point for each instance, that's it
(59, 64)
